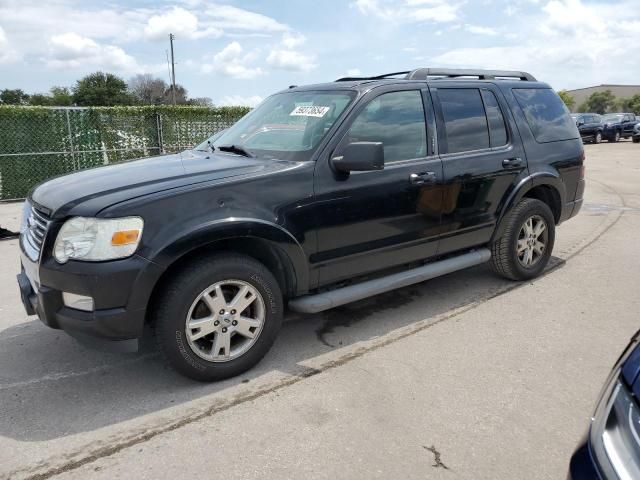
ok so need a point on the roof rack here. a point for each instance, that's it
(426, 73)
(377, 77)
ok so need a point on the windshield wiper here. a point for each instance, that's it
(234, 149)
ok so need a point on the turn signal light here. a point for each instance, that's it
(125, 237)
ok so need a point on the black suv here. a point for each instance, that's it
(618, 125)
(322, 195)
(589, 125)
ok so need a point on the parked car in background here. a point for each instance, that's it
(320, 196)
(618, 125)
(610, 449)
(589, 125)
(636, 133)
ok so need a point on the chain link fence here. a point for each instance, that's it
(37, 143)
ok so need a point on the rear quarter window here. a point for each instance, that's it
(546, 114)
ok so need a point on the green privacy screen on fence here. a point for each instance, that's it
(37, 143)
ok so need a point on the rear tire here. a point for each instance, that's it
(524, 249)
(197, 329)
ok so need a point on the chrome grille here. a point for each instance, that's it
(34, 233)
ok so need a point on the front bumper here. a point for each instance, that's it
(120, 289)
(583, 465)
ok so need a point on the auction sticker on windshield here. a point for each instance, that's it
(309, 111)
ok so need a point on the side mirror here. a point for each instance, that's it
(580, 122)
(360, 157)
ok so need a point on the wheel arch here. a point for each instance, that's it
(267, 243)
(544, 186)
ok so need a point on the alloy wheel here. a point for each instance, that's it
(532, 241)
(225, 320)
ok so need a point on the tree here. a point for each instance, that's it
(599, 102)
(101, 89)
(181, 95)
(13, 97)
(147, 90)
(634, 104)
(201, 101)
(567, 99)
(629, 104)
(61, 97)
(40, 99)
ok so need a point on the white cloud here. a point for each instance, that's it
(36, 26)
(410, 11)
(177, 21)
(293, 39)
(7, 55)
(291, 60)
(233, 62)
(353, 72)
(229, 17)
(286, 55)
(480, 30)
(70, 50)
(239, 100)
(570, 42)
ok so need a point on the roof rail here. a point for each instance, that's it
(377, 77)
(425, 73)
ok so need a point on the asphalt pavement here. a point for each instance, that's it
(464, 376)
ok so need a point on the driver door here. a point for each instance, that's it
(373, 220)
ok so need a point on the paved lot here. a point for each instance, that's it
(466, 376)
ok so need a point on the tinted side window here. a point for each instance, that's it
(397, 120)
(497, 127)
(546, 114)
(464, 118)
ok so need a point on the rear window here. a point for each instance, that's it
(546, 114)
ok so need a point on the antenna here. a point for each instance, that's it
(173, 69)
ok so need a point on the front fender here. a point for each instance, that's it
(208, 233)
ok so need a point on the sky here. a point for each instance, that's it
(237, 52)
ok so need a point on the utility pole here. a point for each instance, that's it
(173, 69)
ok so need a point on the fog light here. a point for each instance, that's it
(79, 302)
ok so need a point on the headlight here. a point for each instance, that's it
(615, 433)
(96, 239)
(26, 211)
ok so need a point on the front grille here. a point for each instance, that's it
(33, 236)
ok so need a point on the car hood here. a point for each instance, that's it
(97, 188)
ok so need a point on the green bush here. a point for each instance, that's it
(37, 143)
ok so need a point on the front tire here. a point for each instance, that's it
(524, 249)
(635, 139)
(616, 138)
(218, 316)
(598, 138)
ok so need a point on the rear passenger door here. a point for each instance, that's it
(482, 160)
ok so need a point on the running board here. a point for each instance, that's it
(334, 298)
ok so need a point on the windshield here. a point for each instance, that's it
(612, 118)
(286, 126)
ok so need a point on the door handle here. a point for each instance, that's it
(512, 162)
(422, 178)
